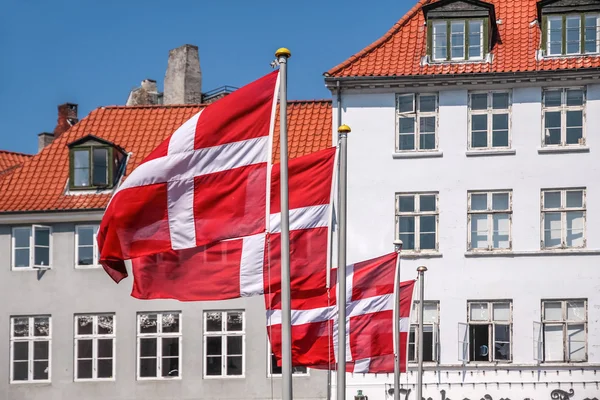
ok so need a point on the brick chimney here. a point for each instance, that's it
(67, 117)
(183, 80)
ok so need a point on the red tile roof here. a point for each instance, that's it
(40, 184)
(10, 160)
(399, 51)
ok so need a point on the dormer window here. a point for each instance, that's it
(94, 163)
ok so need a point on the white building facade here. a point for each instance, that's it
(488, 176)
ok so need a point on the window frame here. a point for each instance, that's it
(95, 252)
(491, 323)
(490, 112)
(109, 167)
(490, 217)
(563, 109)
(30, 339)
(563, 210)
(484, 47)
(32, 246)
(435, 326)
(565, 322)
(158, 335)
(94, 337)
(417, 114)
(223, 333)
(270, 374)
(545, 44)
(417, 214)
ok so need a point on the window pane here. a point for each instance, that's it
(213, 366)
(573, 35)
(500, 101)
(479, 231)
(552, 230)
(428, 343)
(148, 367)
(407, 232)
(105, 368)
(411, 345)
(478, 201)
(500, 130)
(21, 327)
(42, 256)
(148, 347)
(475, 34)
(427, 237)
(105, 348)
(502, 342)
(479, 312)
(22, 258)
(85, 325)
(574, 198)
(81, 167)
(234, 345)
(105, 324)
(551, 199)
(555, 35)
(170, 323)
(574, 97)
(170, 366)
(407, 203)
(213, 346)
(430, 313)
(479, 101)
(575, 227)
(553, 342)
(500, 201)
(42, 236)
(148, 323)
(22, 237)
(20, 371)
(406, 125)
(501, 232)
(405, 103)
(234, 322)
(479, 343)
(84, 349)
(552, 98)
(21, 351)
(458, 39)
(41, 350)
(40, 370)
(576, 342)
(234, 365)
(427, 202)
(576, 310)
(574, 126)
(84, 369)
(407, 142)
(500, 138)
(427, 103)
(479, 131)
(427, 125)
(552, 125)
(439, 41)
(41, 326)
(501, 311)
(213, 321)
(85, 235)
(170, 347)
(591, 34)
(85, 256)
(100, 169)
(427, 141)
(553, 311)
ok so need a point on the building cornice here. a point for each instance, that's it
(46, 217)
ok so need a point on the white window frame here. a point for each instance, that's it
(94, 337)
(565, 322)
(416, 113)
(490, 219)
(30, 339)
(597, 16)
(491, 331)
(158, 335)
(435, 328)
(270, 374)
(563, 108)
(417, 214)
(32, 266)
(563, 210)
(96, 264)
(224, 333)
(490, 111)
(580, 16)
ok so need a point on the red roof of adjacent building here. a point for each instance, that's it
(41, 182)
(400, 50)
(10, 160)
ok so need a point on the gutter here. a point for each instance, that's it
(28, 217)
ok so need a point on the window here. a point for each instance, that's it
(571, 34)
(417, 221)
(458, 39)
(564, 334)
(563, 113)
(30, 349)
(95, 163)
(431, 320)
(94, 347)
(86, 245)
(563, 218)
(489, 114)
(275, 370)
(224, 344)
(490, 331)
(159, 345)
(417, 122)
(32, 247)
(490, 220)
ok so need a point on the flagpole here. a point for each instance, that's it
(341, 358)
(282, 55)
(398, 248)
(421, 270)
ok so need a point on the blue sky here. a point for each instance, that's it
(93, 52)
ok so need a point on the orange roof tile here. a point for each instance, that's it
(10, 160)
(40, 183)
(399, 51)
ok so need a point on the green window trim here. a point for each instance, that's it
(485, 46)
(582, 28)
(90, 150)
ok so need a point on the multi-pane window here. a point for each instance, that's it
(572, 34)
(275, 370)
(564, 331)
(94, 347)
(31, 247)
(563, 113)
(489, 215)
(30, 343)
(224, 343)
(417, 221)
(489, 330)
(489, 113)
(159, 345)
(563, 218)
(417, 122)
(458, 39)
(431, 320)
(86, 253)
(90, 167)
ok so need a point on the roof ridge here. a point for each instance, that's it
(153, 106)
(310, 101)
(16, 153)
(388, 35)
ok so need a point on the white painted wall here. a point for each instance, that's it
(374, 177)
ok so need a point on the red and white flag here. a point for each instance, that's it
(235, 268)
(207, 182)
(369, 323)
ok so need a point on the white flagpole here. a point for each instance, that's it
(396, 313)
(342, 184)
(421, 270)
(282, 55)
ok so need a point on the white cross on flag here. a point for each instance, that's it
(205, 183)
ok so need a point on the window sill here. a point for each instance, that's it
(502, 366)
(216, 377)
(564, 149)
(418, 154)
(293, 376)
(39, 382)
(158, 379)
(29, 269)
(533, 253)
(490, 152)
(84, 267)
(94, 380)
(414, 255)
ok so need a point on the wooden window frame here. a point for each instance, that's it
(417, 213)
(491, 331)
(158, 335)
(109, 167)
(485, 46)
(490, 111)
(563, 210)
(490, 212)
(223, 334)
(582, 15)
(30, 339)
(565, 322)
(94, 337)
